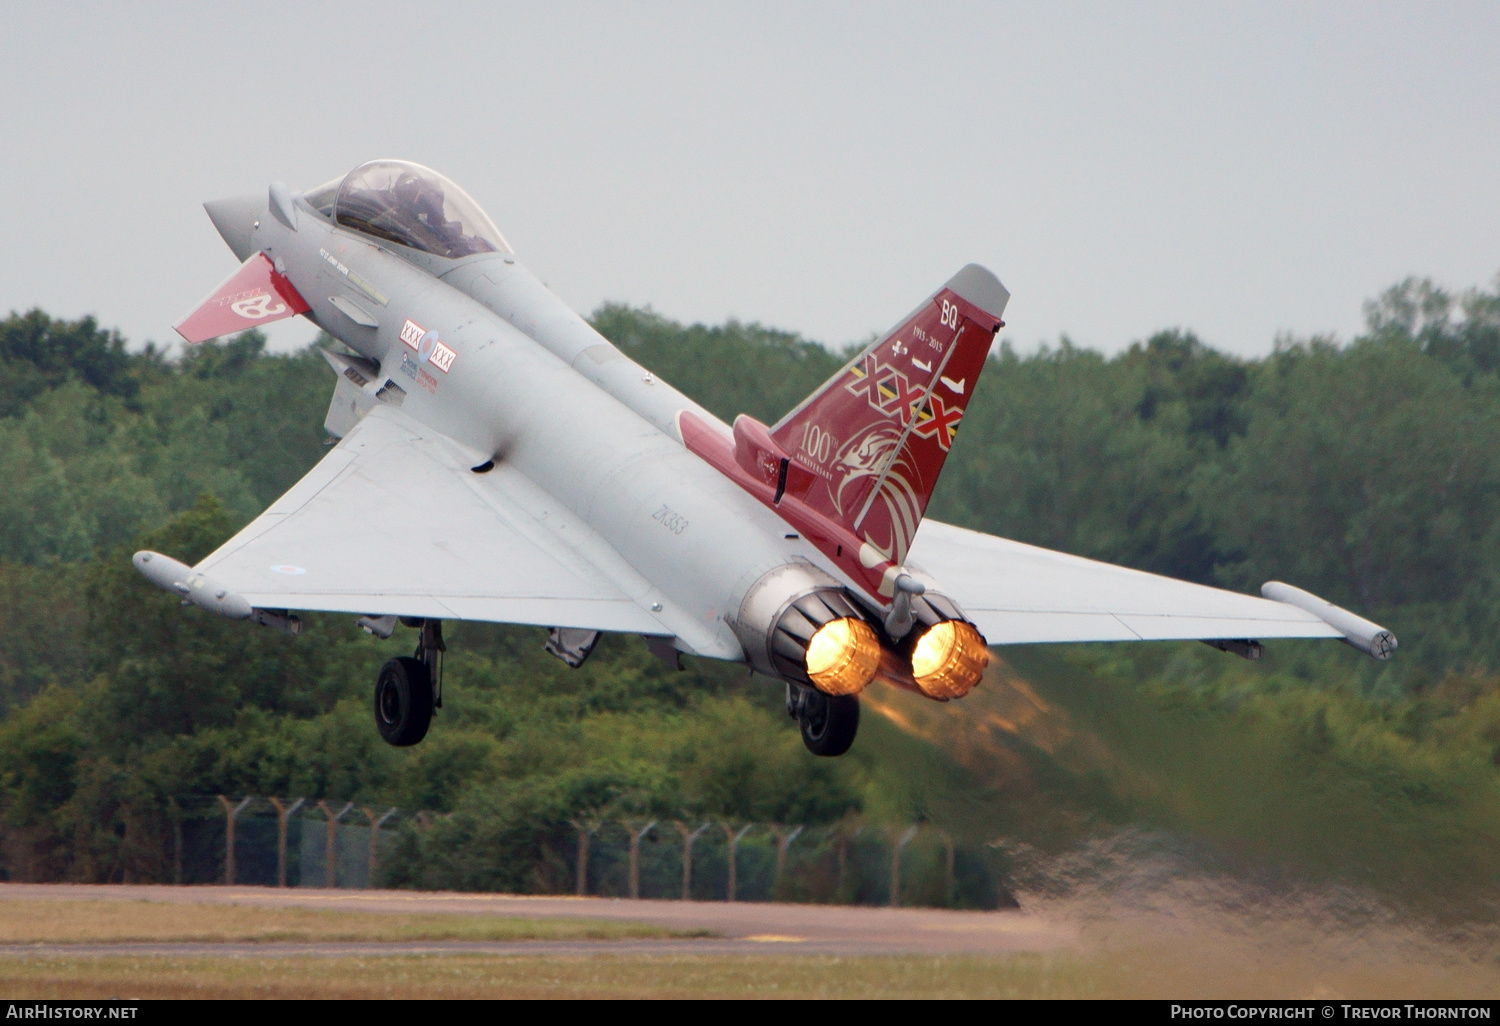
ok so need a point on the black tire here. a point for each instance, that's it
(829, 722)
(403, 701)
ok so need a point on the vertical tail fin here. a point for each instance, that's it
(871, 442)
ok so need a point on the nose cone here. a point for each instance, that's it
(236, 219)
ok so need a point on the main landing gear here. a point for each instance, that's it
(828, 722)
(410, 687)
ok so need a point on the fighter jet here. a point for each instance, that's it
(499, 460)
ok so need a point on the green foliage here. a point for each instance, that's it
(733, 369)
(1074, 452)
(90, 467)
(175, 670)
(38, 353)
(1368, 472)
(1386, 462)
(44, 612)
(1288, 761)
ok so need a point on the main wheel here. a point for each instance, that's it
(829, 722)
(403, 701)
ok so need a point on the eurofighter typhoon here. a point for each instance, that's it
(499, 460)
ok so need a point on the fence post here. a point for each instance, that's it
(175, 812)
(585, 828)
(845, 837)
(283, 812)
(635, 853)
(375, 825)
(948, 895)
(784, 839)
(734, 840)
(688, 837)
(230, 812)
(331, 846)
(896, 846)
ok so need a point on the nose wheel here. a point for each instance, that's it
(828, 722)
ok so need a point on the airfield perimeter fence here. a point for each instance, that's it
(268, 841)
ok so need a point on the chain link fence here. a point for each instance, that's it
(275, 842)
(314, 843)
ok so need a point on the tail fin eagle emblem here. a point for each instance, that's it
(862, 454)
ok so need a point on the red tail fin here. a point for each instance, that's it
(876, 435)
(852, 468)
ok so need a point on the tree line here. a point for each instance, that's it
(1365, 471)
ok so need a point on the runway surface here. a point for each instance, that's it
(738, 927)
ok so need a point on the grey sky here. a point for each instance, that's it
(1236, 169)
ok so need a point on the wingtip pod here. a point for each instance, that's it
(162, 571)
(177, 577)
(1368, 637)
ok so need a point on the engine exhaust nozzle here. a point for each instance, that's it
(842, 656)
(949, 659)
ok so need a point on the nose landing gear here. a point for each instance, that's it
(408, 688)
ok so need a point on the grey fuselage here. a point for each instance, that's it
(533, 386)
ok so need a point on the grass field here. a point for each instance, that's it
(98, 922)
(1176, 956)
(467, 976)
(1127, 975)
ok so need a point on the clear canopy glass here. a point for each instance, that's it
(414, 206)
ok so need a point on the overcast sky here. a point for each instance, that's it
(1239, 170)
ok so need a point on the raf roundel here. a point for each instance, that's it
(288, 569)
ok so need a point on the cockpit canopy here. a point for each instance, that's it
(410, 205)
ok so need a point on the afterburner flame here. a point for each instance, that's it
(949, 659)
(842, 657)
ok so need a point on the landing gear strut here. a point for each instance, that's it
(828, 722)
(410, 687)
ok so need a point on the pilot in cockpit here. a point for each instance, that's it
(412, 206)
(422, 199)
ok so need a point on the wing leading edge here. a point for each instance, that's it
(1020, 594)
(393, 521)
